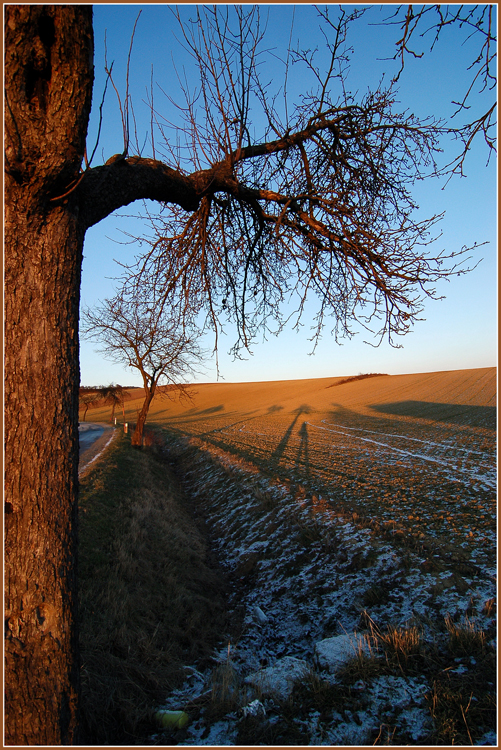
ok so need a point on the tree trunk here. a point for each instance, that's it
(41, 399)
(48, 76)
(137, 437)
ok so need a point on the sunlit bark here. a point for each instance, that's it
(48, 75)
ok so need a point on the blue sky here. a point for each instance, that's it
(459, 331)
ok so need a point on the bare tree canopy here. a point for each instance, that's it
(320, 205)
(87, 400)
(113, 395)
(149, 337)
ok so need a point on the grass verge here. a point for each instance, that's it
(149, 601)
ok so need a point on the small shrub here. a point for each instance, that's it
(374, 596)
(359, 377)
(313, 693)
(265, 498)
(309, 532)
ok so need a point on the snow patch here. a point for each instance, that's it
(333, 653)
(279, 679)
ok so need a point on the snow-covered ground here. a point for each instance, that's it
(312, 589)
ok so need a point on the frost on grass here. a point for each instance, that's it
(310, 574)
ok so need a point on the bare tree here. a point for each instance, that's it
(112, 395)
(123, 395)
(320, 200)
(87, 400)
(148, 337)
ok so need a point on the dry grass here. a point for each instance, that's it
(465, 638)
(463, 707)
(403, 642)
(226, 691)
(149, 601)
(399, 643)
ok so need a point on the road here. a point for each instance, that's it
(94, 437)
(88, 433)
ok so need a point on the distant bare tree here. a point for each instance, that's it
(88, 400)
(148, 337)
(123, 395)
(113, 395)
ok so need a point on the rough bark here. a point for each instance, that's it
(137, 437)
(48, 74)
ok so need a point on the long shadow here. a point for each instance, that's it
(281, 447)
(204, 412)
(303, 450)
(211, 410)
(462, 414)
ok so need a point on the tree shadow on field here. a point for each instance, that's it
(273, 409)
(210, 410)
(281, 447)
(461, 414)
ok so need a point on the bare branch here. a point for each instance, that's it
(479, 21)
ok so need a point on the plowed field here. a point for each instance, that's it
(414, 454)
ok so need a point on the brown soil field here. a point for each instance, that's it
(416, 453)
(423, 395)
